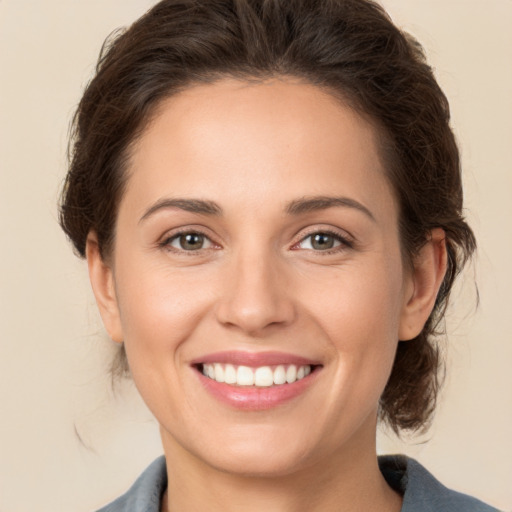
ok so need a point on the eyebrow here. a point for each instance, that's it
(295, 207)
(189, 205)
(316, 203)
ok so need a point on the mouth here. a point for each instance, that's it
(261, 376)
(256, 382)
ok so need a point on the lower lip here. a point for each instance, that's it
(252, 398)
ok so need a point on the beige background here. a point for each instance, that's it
(53, 355)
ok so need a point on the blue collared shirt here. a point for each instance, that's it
(421, 491)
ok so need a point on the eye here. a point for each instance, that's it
(322, 241)
(190, 241)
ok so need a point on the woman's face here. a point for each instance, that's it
(257, 239)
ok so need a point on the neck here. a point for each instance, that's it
(350, 481)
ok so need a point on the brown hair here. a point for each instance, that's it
(349, 47)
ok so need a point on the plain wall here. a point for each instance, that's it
(54, 386)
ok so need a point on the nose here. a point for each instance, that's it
(255, 296)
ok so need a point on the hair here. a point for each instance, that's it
(352, 49)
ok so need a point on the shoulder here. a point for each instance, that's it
(145, 494)
(422, 492)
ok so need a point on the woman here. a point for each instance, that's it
(269, 199)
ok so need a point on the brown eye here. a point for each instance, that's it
(190, 242)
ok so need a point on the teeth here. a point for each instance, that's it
(280, 375)
(229, 374)
(263, 376)
(244, 376)
(291, 374)
(219, 373)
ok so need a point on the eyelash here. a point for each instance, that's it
(344, 242)
(166, 242)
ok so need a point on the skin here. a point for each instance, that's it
(258, 285)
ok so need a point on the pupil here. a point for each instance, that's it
(322, 241)
(191, 241)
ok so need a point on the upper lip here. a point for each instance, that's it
(254, 359)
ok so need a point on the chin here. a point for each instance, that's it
(259, 456)
(258, 465)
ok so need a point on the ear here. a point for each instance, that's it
(102, 281)
(429, 268)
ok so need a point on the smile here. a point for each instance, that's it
(262, 376)
(256, 381)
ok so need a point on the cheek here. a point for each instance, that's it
(359, 311)
(160, 311)
(160, 308)
(359, 299)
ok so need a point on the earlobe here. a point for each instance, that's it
(102, 282)
(426, 278)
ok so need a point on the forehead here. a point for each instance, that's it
(256, 140)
